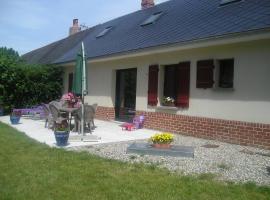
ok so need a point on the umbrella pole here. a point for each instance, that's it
(83, 88)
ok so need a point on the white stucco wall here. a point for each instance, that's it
(249, 101)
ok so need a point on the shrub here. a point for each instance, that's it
(24, 85)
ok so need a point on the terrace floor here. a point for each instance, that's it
(109, 132)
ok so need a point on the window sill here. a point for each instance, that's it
(223, 89)
(173, 108)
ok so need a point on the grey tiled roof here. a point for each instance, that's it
(182, 21)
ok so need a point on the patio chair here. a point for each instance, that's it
(57, 104)
(89, 114)
(94, 106)
(48, 116)
(56, 115)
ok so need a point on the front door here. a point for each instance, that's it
(125, 98)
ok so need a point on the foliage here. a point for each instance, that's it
(8, 57)
(30, 170)
(63, 127)
(168, 100)
(162, 138)
(23, 85)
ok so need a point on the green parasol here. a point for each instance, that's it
(80, 68)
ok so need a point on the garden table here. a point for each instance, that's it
(70, 112)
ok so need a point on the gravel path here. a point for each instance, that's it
(229, 162)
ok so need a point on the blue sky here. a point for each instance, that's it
(30, 24)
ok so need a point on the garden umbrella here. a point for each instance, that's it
(79, 86)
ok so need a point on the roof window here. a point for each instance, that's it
(104, 32)
(226, 2)
(152, 19)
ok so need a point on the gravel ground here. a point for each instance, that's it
(229, 162)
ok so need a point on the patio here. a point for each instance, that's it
(109, 132)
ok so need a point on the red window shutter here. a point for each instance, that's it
(183, 85)
(205, 74)
(153, 85)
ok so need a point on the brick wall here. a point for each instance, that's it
(105, 113)
(243, 133)
(236, 132)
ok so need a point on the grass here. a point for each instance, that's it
(29, 170)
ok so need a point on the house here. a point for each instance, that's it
(211, 57)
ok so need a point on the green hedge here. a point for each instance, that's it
(23, 85)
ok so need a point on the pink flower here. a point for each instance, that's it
(69, 97)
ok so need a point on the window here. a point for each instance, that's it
(170, 81)
(205, 74)
(152, 19)
(226, 73)
(70, 82)
(226, 2)
(176, 84)
(104, 32)
(153, 85)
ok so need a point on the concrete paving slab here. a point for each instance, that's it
(109, 132)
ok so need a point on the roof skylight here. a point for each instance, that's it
(152, 19)
(104, 32)
(226, 2)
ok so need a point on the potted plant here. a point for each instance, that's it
(168, 101)
(15, 117)
(70, 99)
(61, 133)
(162, 140)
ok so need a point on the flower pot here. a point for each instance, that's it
(162, 146)
(61, 137)
(15, 119)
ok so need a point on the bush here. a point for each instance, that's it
(23, 85)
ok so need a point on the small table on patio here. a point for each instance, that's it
(70, 111)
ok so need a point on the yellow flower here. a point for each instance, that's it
(163, 138)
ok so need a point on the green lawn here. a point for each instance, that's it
(29, 170)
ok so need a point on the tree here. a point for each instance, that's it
(8, 57)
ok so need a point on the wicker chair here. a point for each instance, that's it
(89, 115)
(94, 106)
(48, 116)
(56, 115)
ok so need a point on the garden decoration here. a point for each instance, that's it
(138, 121)
(162, 140)
(15, 117)
(61, 133)
(35, 112)
(128, 127)
(168, 101)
